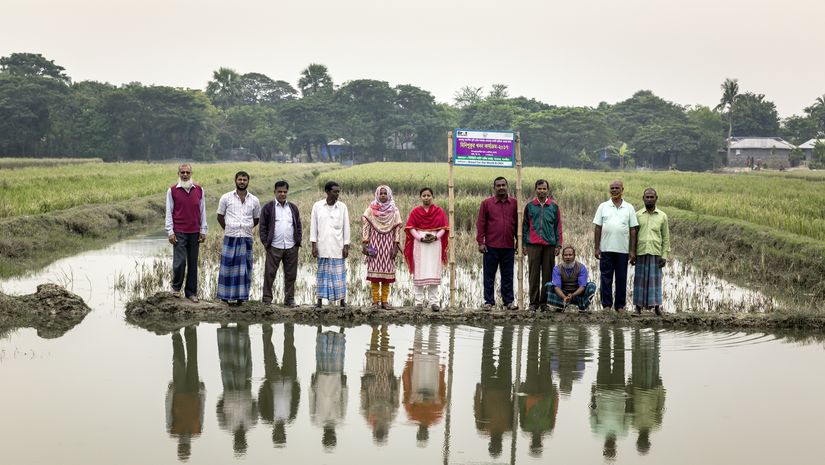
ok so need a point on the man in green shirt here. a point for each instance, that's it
(652, 251)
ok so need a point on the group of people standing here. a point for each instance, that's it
(281, 234)
(622, 236)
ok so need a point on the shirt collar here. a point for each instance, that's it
(506, 199)
(655, 210)
(547, 201)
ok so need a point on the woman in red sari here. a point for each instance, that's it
(426, 249)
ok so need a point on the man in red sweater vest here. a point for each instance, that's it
(186, 229)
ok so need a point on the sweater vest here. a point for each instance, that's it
(186, 211)
(570, 283)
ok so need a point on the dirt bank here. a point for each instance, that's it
(163, 313)
(52, 311)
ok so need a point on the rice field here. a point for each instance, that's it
(786, 202)
(39, 189)
(17, 163)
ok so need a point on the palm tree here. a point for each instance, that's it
(730, 93)
(314, 78)
(225, 87)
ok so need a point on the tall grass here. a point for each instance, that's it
(35, 190)
(17, 163)
(786, 202)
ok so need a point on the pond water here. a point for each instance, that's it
(107, 392)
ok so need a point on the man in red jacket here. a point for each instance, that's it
(186, 229)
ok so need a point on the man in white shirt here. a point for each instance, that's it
(238, 214)
(614, 238)
(329, 234)
(281, 233)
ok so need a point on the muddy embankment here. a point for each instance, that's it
(52, 311)
(163, 313)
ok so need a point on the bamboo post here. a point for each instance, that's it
(446, 447)
(516, 390)
(519, 239)
(451, 219)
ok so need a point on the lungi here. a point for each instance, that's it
(235, 274)
(331, 279)
(582, 300)
(647, 282)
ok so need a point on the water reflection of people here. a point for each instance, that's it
(493, 401)
(425, 391)
(280, 392)
(328, 388)
(379, 386)
(540, 398)
(237, 410)
(570, 350)
(609, 415)
(645, 389)
(186, 393)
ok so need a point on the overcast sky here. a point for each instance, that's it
(573, 52)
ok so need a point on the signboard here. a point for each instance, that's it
(494, 149)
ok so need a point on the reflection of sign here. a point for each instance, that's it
(484, 148)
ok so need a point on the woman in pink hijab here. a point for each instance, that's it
(381, 236)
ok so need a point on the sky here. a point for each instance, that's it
(573, 52)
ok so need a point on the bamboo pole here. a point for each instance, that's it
(516, 390)
(451, 219)
(451, 353)
(518, 224)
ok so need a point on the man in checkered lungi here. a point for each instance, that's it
(238, 213)
(329, 234)
(653, 248)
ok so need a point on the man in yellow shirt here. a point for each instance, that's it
(652, 251)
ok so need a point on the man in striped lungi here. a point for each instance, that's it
(238, 212)
(653, 248)
(329, 234)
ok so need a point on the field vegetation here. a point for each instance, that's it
(88, 206)
(35, 190)
(15, 163)
(744, 227)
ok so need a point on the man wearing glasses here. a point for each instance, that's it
(186, 229)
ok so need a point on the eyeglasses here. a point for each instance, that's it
(185, 172)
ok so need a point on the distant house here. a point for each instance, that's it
(808, 148)
(336, 149)
(772, 151)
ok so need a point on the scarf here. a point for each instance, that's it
(423, 220)
(383, 216)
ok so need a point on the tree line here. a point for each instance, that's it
(43, 113)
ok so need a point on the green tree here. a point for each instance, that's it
(816, 113)
(257, 88)
(557, 136)
(798, 129)
(225, 88)
(498, 92)
(315, 78)
(32, 65)
(642, 108)
(26, 107)
(367, 109)
(755, 116)
(158, 122)
(468, 95)
(730, 94)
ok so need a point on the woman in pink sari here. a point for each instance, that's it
(381, 236)
(426, 249)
